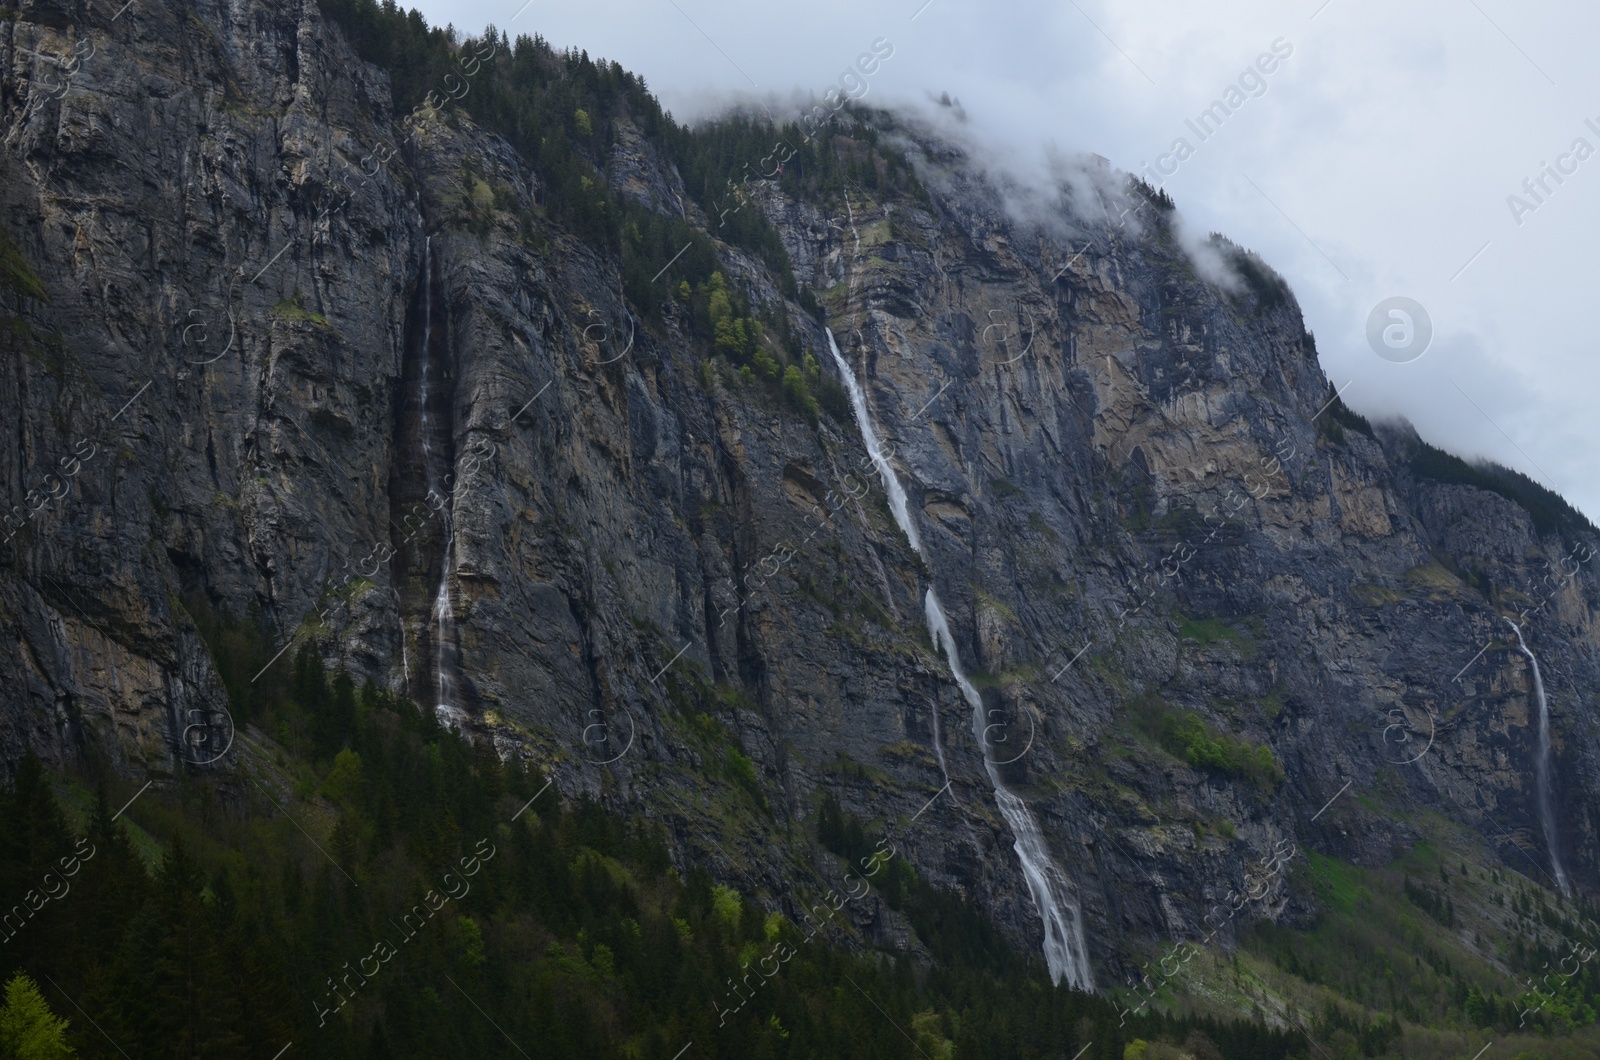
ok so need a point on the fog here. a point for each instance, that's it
(1448, 153)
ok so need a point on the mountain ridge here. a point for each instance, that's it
(631, 432)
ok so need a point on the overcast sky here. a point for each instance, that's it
(1376, 162)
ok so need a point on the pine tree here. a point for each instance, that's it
(175, 989)
(33, 837)
(37, 835)
(111, 885)
(378, 1044)
(260, 983)
(339, 723)
(28, 1029)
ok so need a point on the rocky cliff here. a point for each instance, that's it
(282, 352)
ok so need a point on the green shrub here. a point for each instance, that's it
(1185, 735)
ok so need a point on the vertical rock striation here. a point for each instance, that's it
(1144, 513)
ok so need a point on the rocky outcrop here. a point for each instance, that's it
(674, 593)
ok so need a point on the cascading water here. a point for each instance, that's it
(443, 614)
(1064, 948)
(869, 434)
(897, 497)
(445, 640)
(405, 656)
(1541, 765)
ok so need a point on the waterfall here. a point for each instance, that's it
(897, 498)
(427, 356)
(1064, 948)
(444, 639)
(405, 656)
(869, 434)
(1541, 765)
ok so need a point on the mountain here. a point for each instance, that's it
(790, 488)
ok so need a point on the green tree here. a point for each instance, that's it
(472, 952)
(728, 342)
(33, 838)
(718, 305)
(340, 722)
(176, 992)
(799, 395)
(108, 889)
(344, 779)
(28, 1029)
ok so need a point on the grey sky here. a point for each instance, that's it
(1376, 162)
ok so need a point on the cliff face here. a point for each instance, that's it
(307, 359)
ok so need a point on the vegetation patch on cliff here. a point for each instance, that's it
(1185, 735)
(16, 275)
(1412, 959)
(291, 309)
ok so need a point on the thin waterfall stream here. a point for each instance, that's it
(1541, 766)
(446, 649)
(1064, 949)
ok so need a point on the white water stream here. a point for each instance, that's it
(405, 655)
(443, 613)
(1541, 766)
(1064, 949)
